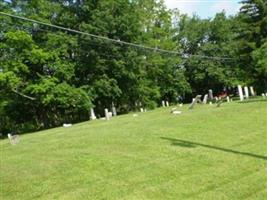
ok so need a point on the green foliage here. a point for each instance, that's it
(49, 76)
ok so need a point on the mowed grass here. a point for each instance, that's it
(206, 153)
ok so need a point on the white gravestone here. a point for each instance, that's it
(106, 114)
(163, 103)
(228, 99)
(195, 101)
(167, 104)
(67, 125)
(240, 92)
(141, 110)
(246, 92)
(92, 114)
(210, 94)
(252, 92)
(114, 111)
(14, 139)
(205, 99)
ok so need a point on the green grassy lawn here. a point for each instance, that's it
(206, 153)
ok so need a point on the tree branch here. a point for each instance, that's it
(23, 95)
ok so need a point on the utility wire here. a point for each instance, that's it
(113, 40)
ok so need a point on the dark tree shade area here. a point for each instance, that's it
(50, 76)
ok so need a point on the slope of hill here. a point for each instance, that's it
(205, 153)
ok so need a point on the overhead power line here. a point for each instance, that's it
(113, 40)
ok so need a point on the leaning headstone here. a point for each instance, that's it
(246, 92)
(163, 103)
(252, 92)
(210, 94)
(92, 114)
(240, 92)
(205, 100)
(167, 104)
(14, 139)
(106, 114)
(195, 101)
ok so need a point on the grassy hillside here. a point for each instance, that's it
(205, 153)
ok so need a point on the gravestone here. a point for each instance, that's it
(252, 92)
(263, 95)
(14, 139)
(67, 125)
(246, 92)
(92, 114)
(113, 109)
(167, 104)
(106, 114)
(240, 92)
(205, 100)
(210, 94)
(228, 99)
(141, 110)
(175, 111)
(163, 103)
(195, 101)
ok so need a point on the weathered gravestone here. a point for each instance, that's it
(113, 109)
(14, 139)
(195, 101)
(210, 94)
(163, 103)
(205, 100)
(240, 92)
(175, 111)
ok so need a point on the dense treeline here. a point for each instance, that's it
(50, 76)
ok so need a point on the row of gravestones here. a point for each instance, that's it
(247, 91)
(246, 94)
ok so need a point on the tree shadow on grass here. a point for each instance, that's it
(184, 143)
